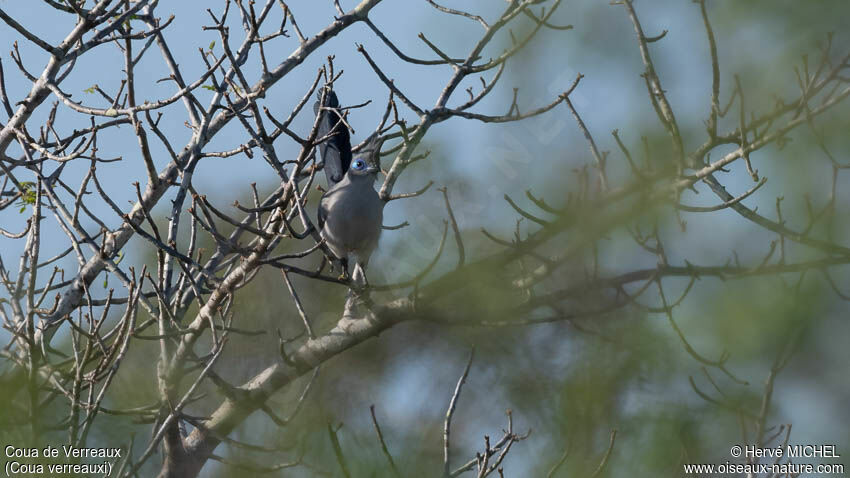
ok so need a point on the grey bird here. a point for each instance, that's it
(351, 213)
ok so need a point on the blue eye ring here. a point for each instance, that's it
(358, 165)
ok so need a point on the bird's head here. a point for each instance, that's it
(368, 162)
(362, 167)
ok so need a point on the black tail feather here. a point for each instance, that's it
(336, 151)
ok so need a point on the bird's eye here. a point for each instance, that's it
(359, 164)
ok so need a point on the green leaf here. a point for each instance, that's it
(27, 194)
(212, 45)
(208, 87)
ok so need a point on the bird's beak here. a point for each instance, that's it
(372, 169)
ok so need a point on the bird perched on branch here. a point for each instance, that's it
(350, 212)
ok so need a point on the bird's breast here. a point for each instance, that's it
(354, 219)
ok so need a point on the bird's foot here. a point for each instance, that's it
(343, 276)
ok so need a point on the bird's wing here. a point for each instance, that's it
(335, 151)
(322, 213)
